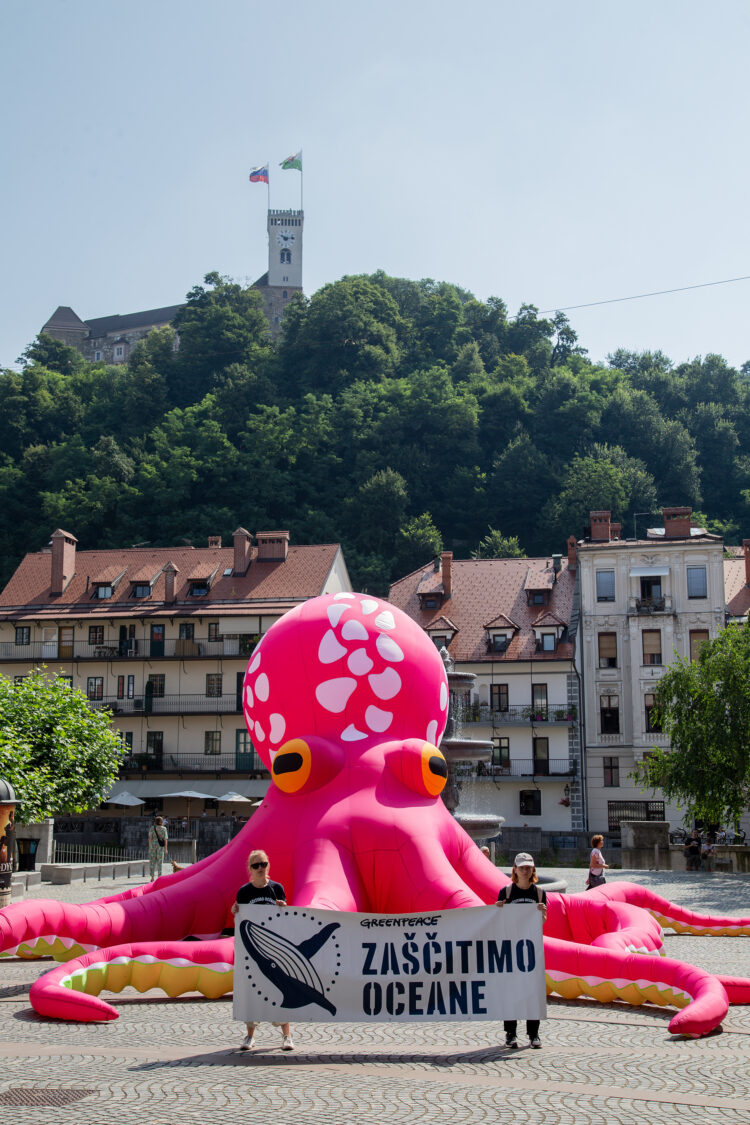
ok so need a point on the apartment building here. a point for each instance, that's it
(643, 602)
(161, 637)
(511, 622)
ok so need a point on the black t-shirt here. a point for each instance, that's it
(517, 895)
(693, 846)
(263, 896)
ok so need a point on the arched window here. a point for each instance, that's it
(286, 256)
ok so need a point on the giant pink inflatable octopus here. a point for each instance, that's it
(346, 699)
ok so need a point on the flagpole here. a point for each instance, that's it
(301, 174)
(268, 185)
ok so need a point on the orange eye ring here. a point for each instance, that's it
(434, 769)
(291, 765)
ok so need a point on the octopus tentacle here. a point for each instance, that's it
(573, 970)
(71, 991)
(673, 917)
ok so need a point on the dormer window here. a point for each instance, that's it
(103, 591)
(440, 640)
(141, 590)
(547, 642)
(198, 589)
(499, 642)
(537, 597)
(430, 603)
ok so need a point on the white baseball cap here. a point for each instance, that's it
(523, 859)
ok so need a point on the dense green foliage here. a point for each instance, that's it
(704, 707)
(393, 416)
(58, 754)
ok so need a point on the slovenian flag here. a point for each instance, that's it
(259, 175)
(293, 161)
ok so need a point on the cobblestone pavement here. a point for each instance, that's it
(175, 1062)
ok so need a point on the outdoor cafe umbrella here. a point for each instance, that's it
(124, 798)
(190, 795)
(237, 798)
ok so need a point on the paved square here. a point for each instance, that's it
(175, 1062)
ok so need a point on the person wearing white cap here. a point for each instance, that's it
(523, 889)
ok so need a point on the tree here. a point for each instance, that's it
(59, 755)
(495, 545)
(704, 708)
(53, 354)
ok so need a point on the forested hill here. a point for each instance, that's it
(393, 416)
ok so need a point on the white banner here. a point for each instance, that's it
(296, 963)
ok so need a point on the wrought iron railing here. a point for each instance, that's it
(166, 762)
(133, 648)
(146, 704)
(518, 714)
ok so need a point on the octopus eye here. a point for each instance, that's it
(291, 765)
(434, 769)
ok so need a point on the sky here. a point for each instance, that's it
(548, 153)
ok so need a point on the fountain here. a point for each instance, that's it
(458, 749)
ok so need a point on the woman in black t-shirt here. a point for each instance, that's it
(261, 891)
(523, 889)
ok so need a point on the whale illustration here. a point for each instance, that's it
(287, 965)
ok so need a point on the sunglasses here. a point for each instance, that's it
(258, 866)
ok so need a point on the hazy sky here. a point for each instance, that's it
(540, 151)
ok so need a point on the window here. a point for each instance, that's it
(187, 631)
(97, 357)
(696, 582)
(652, 646)
(429, 603)
(126, 737)
(155, 742)
(285, 256)
(213, 631)
(285, 294)
(548, 642)
(67, 680)
(23, 634)
(610, 714)
(96, 634)
(537, 597)
(611, 772)
(198, 589)
(131, 686)
(499, 697)
(212, 742)
(103, 591)
(141, 590)
(541, 755)
(119, 351)
(155, 684)
(120, 687)
(213, 685)
(501, 753)
(605, 585)
(698, 638)
(440, 640)
(530, 802)
(608, 650)
(95, 687)
(18, 679)
(652, 724)
(651, 592)
(499, 642)
(539, 701)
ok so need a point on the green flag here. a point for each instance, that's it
(293, 161)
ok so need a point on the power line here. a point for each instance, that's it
(640, 296)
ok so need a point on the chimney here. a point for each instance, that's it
(272, 545)
(214, 540)
(746, 549)
(170, 575)
(242, 547)
(572, 552)
(556, 564)
(677, 523)
(63, 560)
(600, 528)
(446, 566)
(615, 530)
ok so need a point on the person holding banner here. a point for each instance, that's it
(523, 889)
(261, 891)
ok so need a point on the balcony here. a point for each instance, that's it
(523, 767)
(519, 715)
(649, 606)
(182, 648)
(163, 762)
(170, 704)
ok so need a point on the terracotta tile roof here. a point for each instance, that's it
(144, 574)
(486, 591)
(431, 581)
(443, 622)
(540, 576)
(108, 575)
(203, 571)
(502, 621)
(736, 591)
(267, 586)
(547, 618)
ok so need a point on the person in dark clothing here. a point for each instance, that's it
(261, 891)
(692, 851)
(523, 889)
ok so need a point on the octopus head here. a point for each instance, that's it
(349, 669)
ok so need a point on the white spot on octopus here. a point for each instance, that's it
(378, 720)
(443, 696)
(249, 696)
(278, 726)
(368, 605)
(431, 734)
(334, 694)
(388, 649)
(359, 663)
(351, 734)
(336, 612)
(260, 734)
(255, 663)
(385, 620)
(262, 687)
(329, 649)
(354, 631)
(386, 684)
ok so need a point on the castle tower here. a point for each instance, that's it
(284, 277)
